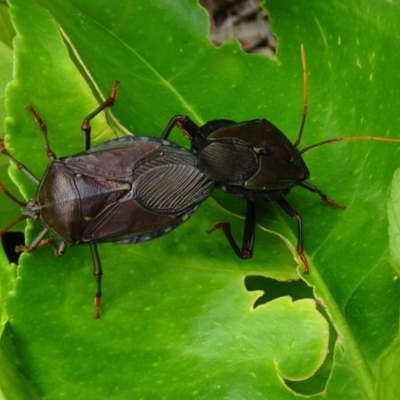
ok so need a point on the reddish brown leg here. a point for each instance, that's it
(248, 234)
(86, 129)
(292, 213)
(38, 242)
(98, 273)
(323, 196)
(177, 120)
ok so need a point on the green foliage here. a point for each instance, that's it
(178, 313)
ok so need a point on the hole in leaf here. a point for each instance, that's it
(9, 241)
(273, 289)
(317, 383)
(244, 20)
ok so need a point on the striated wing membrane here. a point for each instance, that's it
(172, 188)
(164, 155)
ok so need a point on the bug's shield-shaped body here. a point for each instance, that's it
(126, 190)
(251, 159)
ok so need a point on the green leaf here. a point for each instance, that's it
(13, 383)
(6, 63)
(394, 221)
(178, 314)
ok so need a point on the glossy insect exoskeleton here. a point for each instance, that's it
(127, 190)
(254, 160)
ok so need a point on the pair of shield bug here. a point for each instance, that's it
(135, 189)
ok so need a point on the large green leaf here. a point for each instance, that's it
(6, 62)
(178, 313)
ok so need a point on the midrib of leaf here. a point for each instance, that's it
(345, 335)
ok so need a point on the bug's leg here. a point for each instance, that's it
(248, 234)
(98, 273)
(38, 241)
(323, 196)
(181, 121)
(20, 166)
(50, 153)
(58, 251)
(292, 213)
(32, 247)
(35, 243)
(86, 128)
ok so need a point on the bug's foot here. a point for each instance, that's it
(333, 203)
(97, 301)
(23, 249)
(218, 225)
(304, 261)
(247, 254)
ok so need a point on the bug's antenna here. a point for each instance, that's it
(305, 94)
(11, 224)
(348, 139)
(15, 200)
